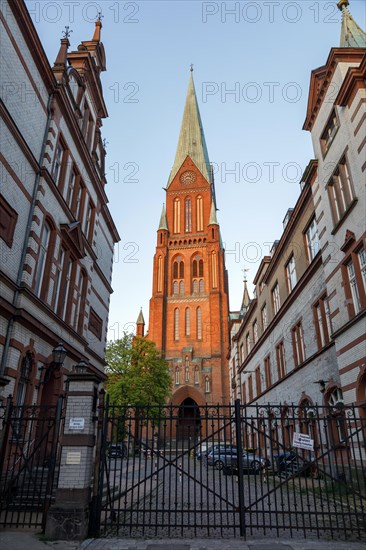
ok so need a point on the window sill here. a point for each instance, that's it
(345, 215)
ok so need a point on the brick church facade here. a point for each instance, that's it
(189, 305)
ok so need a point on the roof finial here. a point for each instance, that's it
(342, 4)
(245, 270)
(352, 36)
(67, 32)
(191, 69)
(98, 26)
(100, 16)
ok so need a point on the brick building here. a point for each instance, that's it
(303, 337)
(189, 305)
(56, 233)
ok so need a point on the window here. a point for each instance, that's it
(255, 332)
(214, 269)
(199, 205)
(80, 302)
(95, 324)
(188, 321)
(59, 268)
(241, 353)
(322, 322)
(244, 392)
(160, 274)
(276, 298)
(258, 382)
(267, 371)
(250, 388)
(42, 259)
(298, 344)
(176, 216)
(329, 132)
(58, 163)
(354, 276)
(176, 324)
(340, 191)
(178, 276)
(70, 188)
(196, 376)
(78, 201)
(280, 358)
(68, 269)
(177, 376)
(188, 215)
(207, 385)
(88, 220)
(201, 286)
(312, 240)
(247, 343)
(187, 374)
(195, 287)
(291, 274)
(199, 323)
(8, 221)
(24, 380)
(264, 317)
(181, 288)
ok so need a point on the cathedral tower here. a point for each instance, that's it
(189, 304)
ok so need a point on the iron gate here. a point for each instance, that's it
(29, 462)
(155, 478)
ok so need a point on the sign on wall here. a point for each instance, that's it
(77, 423)
(303, 441)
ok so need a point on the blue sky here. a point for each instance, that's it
(261, 51)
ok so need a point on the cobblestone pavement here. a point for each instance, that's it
(183, 497)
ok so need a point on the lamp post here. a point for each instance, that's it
(58, 355)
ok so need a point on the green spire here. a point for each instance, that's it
(163, 221)
(352, 36)
(140, 318)
(191, 138)
(213, 217)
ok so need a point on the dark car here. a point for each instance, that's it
(117, 450)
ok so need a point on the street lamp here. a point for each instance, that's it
(82, 367)
(58, 355)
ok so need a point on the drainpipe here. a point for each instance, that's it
(5, 355)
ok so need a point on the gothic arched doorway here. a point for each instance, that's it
(189, 421)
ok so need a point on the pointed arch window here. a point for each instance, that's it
(200, 268)
(188, 215)
(196, 376)
(176, 216)
(188, 323)
(178, 276)
(195, 268)
(176, 324)
(199, 206)
(199, 323)
(214, 269)
(160, 274)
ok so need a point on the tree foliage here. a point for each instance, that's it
(137, 375)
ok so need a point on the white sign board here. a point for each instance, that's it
(77, 423)
(303, 441)
(73, 458)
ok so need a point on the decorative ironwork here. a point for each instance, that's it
(67, 32)
(154, 478)
(29, 462)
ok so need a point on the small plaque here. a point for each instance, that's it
(303, 441)
(73, 458)
(77, 423)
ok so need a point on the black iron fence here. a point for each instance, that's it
(230, 471)
(29, 462)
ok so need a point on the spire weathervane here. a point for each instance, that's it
(100, 16)
(245, 270)
(191, 69)
(67, 32)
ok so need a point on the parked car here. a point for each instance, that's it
(221, 455)
(252, 462)
(201, 451)
(117, 450)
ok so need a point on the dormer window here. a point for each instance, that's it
(329, 133)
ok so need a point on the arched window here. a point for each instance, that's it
(199, 323)
(178, 275)
(160, 274)
(176, 324)
(194, 269)
(181, 288)
(188, 215)
(199, 205)
(200, 268)
(188, 323)
(181, 269)
(176, 216)
(214, 269)
(207, 385)
(187, 374)
(196, 376)
(177, 376)
(202, 286)
(175, 287)
(44, 254)
(195, 286)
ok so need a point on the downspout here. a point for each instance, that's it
(5, 355)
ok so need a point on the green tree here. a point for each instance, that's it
(137, 375)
